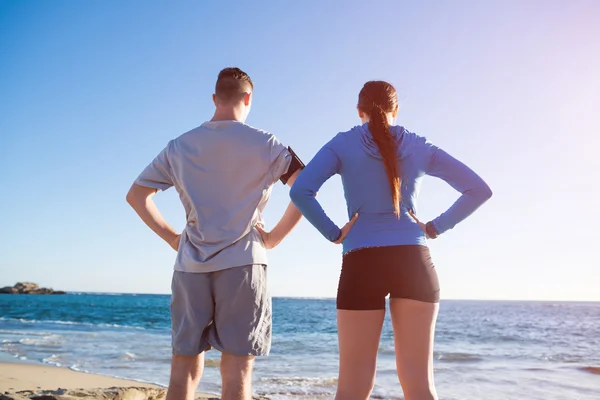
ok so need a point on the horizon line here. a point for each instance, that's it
(333, 298)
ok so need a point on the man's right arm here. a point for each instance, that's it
(156, 176)
(140, 199)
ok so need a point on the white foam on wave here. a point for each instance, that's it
(103, 325)
(54, 359)
(76, 367)
(298, 386)
(21, 333)
(458, 357)
(47, 341)
(301, 379)
(105, 294)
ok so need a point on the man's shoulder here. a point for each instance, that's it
(188, 134)
(261, 137)
(260, 134)
(245, 135)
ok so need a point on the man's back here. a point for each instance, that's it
(223, 172)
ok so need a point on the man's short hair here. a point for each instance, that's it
(232, 84)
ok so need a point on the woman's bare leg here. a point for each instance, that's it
(358, 335)
(414, 330)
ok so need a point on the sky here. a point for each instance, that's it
(90, 92)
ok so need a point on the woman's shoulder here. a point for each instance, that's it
(407, 136)
(342, 139)
(410, 142)
(352, 133)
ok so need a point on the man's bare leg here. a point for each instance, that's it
(236, 375)
(186, 372)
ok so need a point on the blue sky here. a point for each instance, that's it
(92, 91)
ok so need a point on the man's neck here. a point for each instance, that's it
(227, 114)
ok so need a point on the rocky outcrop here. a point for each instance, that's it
(113, 393)
(99, 394)
(28, 288)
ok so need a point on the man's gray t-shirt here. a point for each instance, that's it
(224, 172)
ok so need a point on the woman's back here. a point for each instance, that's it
(381, 166)
(355, 156)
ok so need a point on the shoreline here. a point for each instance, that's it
(18, 376)
(21, 380)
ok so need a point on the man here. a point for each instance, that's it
(223, 171)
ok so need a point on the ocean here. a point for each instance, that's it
(484, 349)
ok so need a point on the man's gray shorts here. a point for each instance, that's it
(229, 310)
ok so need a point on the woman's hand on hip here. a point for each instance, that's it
(346, 228)
(421, 225)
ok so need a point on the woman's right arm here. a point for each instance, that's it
(474, 191)
(324, 165)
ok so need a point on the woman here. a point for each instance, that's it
(385, 252)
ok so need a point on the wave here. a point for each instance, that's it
(458, 357)
(54, 359)
(387, 349)
(212, 363)
(48, 341)
(296, 386)
(295, 394)
(442, 356)
(591, 369)
(301, 380)
(21, 333)
(329, 381)
(76, 367)
(128, 356)
(37, 321)
(566, 358)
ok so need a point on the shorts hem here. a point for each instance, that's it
(360, 308)
(252, 353)
(192, 353)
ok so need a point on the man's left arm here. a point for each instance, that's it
(292, 215)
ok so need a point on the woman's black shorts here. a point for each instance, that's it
(370, 274)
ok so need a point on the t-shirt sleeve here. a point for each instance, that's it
(158, 174)
(281, 158)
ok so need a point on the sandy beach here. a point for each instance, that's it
(23, 381)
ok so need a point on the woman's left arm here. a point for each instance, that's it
(474, 191)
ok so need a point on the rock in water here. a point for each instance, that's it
(28, 288)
